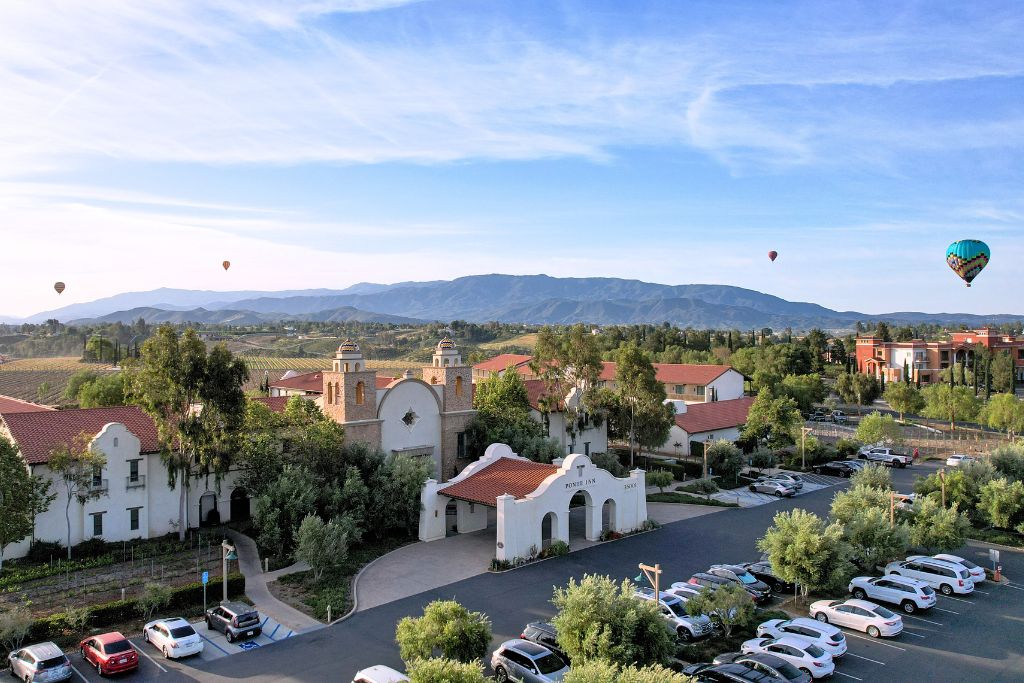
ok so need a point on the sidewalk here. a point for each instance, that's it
(256, 585)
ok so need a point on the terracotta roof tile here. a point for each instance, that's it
(275, 403)
(502, 361)
(515, 477)
(9, 404)
(707, 417)
(37, 434)
(536, 390)
(676, 373)
(311, 382)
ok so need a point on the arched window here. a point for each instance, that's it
(458, 386)
(437, 363)
(330, 393)
(337, 393)
(360, 393)
(357, 367)
(346, 367)
(446, 362)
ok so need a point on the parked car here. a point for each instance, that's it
(765, 663)
(859, 615)
(910, 594)
(977, 573)
(793, 481)
(958, 459)
(858, 465)
(41, 662)
(521, 660)
(174, 637)
(800, 652)
(759, 590)
(836, 468)
(827, 637)
(775, 488)
(380, 674)
(819, 416)
(235, 620)
(762, 569)
(109, 653)
(673, 609)
(710, 581)
(728, 673)
(839, 417)
(943, 576)
(886, 456)
(543, 633)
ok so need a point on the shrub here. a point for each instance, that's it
(847, 448)
(763, 459)
(610, 462)
(659, 478)
(44, 551)
(730, 607)
(156, 596)
(446, 627)
(14, 626)
(556, 549)
(439, 670)
(873, 476)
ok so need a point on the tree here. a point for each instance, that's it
(569, 364)
(77, 381)
(641, 397)
(806, 390)
(659, 478)
(1008, 460)
(963, 484)
(904, 398)
(448, 628)
(437, 670)
(322, 545)
(1002, 372)
(943, 402)
(730, 607)
(22, 497)
(938, 529)
(396, 486)
(817, 345)
(98, 348)
(805, 551)
(873, 476)
(725, 459)
(154, 597)
(1004, 412)
(15, 625)
(599, 619)
(600, 671)
(106, 390)
(849, 504)
(878, 428)
(857, 388)
(195, 398)
(874, 541)
(285, 502)
(772, 420)
(1000, 500)
(75, 465)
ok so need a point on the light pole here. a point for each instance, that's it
(804, 431)
(227, 552)
(653, 575)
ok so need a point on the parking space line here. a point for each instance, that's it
(850, 654)
(911, 633)
(927, 621)
(840, 673)
(80, 675)
(214, 644)
(139, 650)
(947, 611)
(982, 592)
(271, 636)
(950, 597)
(877, 641)
(1016, 588)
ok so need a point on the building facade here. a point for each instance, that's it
(696, 425)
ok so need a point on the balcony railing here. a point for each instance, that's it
(136, 482)
(99, 485)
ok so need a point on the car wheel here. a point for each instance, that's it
(909, 607)
(822, 617)
(99, 669)
(229, 635)
(846, 474)
(501, 675)
(859, 593)
(778, 494)
(167, 655)
(808, 672)
(903, 465)
(684, 635)
(874, 632)
(753, 488)
(145, 635)
(946, 589)
(779, 587)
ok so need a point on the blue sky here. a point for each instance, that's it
(327, 142)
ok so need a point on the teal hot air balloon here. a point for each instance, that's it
(967, 258)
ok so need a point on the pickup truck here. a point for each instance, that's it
(887, 456)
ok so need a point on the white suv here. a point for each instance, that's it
(977, 573)
(910, 594)
(673, 609)
(943, 576)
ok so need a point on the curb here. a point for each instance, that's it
(355, 584)
(980, 541)
(571, 551)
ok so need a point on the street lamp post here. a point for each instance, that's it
(653, 575)
(804, 431)
(227, 552)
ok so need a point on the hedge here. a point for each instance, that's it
(56, 628)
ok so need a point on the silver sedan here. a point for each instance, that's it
(771, 487)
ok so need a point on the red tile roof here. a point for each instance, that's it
(676, 373)
(9, 404)
(310, 382)
(515, 477)
(383, 382)
(502, 361)
(37, 434)
(536, 390)
(707, 417)
(275, 403)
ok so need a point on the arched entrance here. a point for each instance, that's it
(548, 530)
(608, 516)
(451, 516)
(208, 513)
(240, 505)
(581, 516)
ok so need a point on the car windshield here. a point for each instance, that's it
(882, 612)
(116, 647)
(968, 564)
(746, 577)
(549, 664)
(52, 663)
(814, 651)
(927, 590)
(182, 631)
(676, 608)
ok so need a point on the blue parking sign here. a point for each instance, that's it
(248, 645)
(206, 578)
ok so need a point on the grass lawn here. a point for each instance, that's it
(675, 497)
(1000, 536)
(335, 587)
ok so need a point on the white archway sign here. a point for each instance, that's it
(492, 481)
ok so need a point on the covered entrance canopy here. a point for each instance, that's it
(531, 497)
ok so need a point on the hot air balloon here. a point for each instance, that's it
(59, 286)
(773, 255)
(967, 258)
(226, 264)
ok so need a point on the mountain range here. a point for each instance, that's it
(538, 299)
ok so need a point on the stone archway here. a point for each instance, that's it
(608, 521)
(548, 530)
(582, 516)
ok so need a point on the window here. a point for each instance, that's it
(357, 367)
(925, 379)
(460, 448)
(97, 523)
(115, 442)
(346, 367)
(458, 386)
(360, 393)
(330, 393)
(699, 390)
(133, 470)
(944, 355)
(679, 388)
(97, 477)
(1020, 354)
(133, 518)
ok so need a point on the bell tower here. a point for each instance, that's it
(447, 370)
(350, 389)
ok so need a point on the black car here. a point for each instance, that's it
(235, 620)
(759, 590)
(705, 580)
(713, 673)
(766, 663)
(763, 571)
(835, 468)
(543, 633)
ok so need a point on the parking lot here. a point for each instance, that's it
(215, 646)
(746, 498)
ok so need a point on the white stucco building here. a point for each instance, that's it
(704, 422)
(532, 501)
(592, 439)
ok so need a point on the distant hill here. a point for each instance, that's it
(538, 299)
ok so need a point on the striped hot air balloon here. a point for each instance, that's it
(967, 258)
(59, 286)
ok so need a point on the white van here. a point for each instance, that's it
(945, 577)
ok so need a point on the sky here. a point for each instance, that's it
(320, 143)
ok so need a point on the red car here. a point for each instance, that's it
(110, 653)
